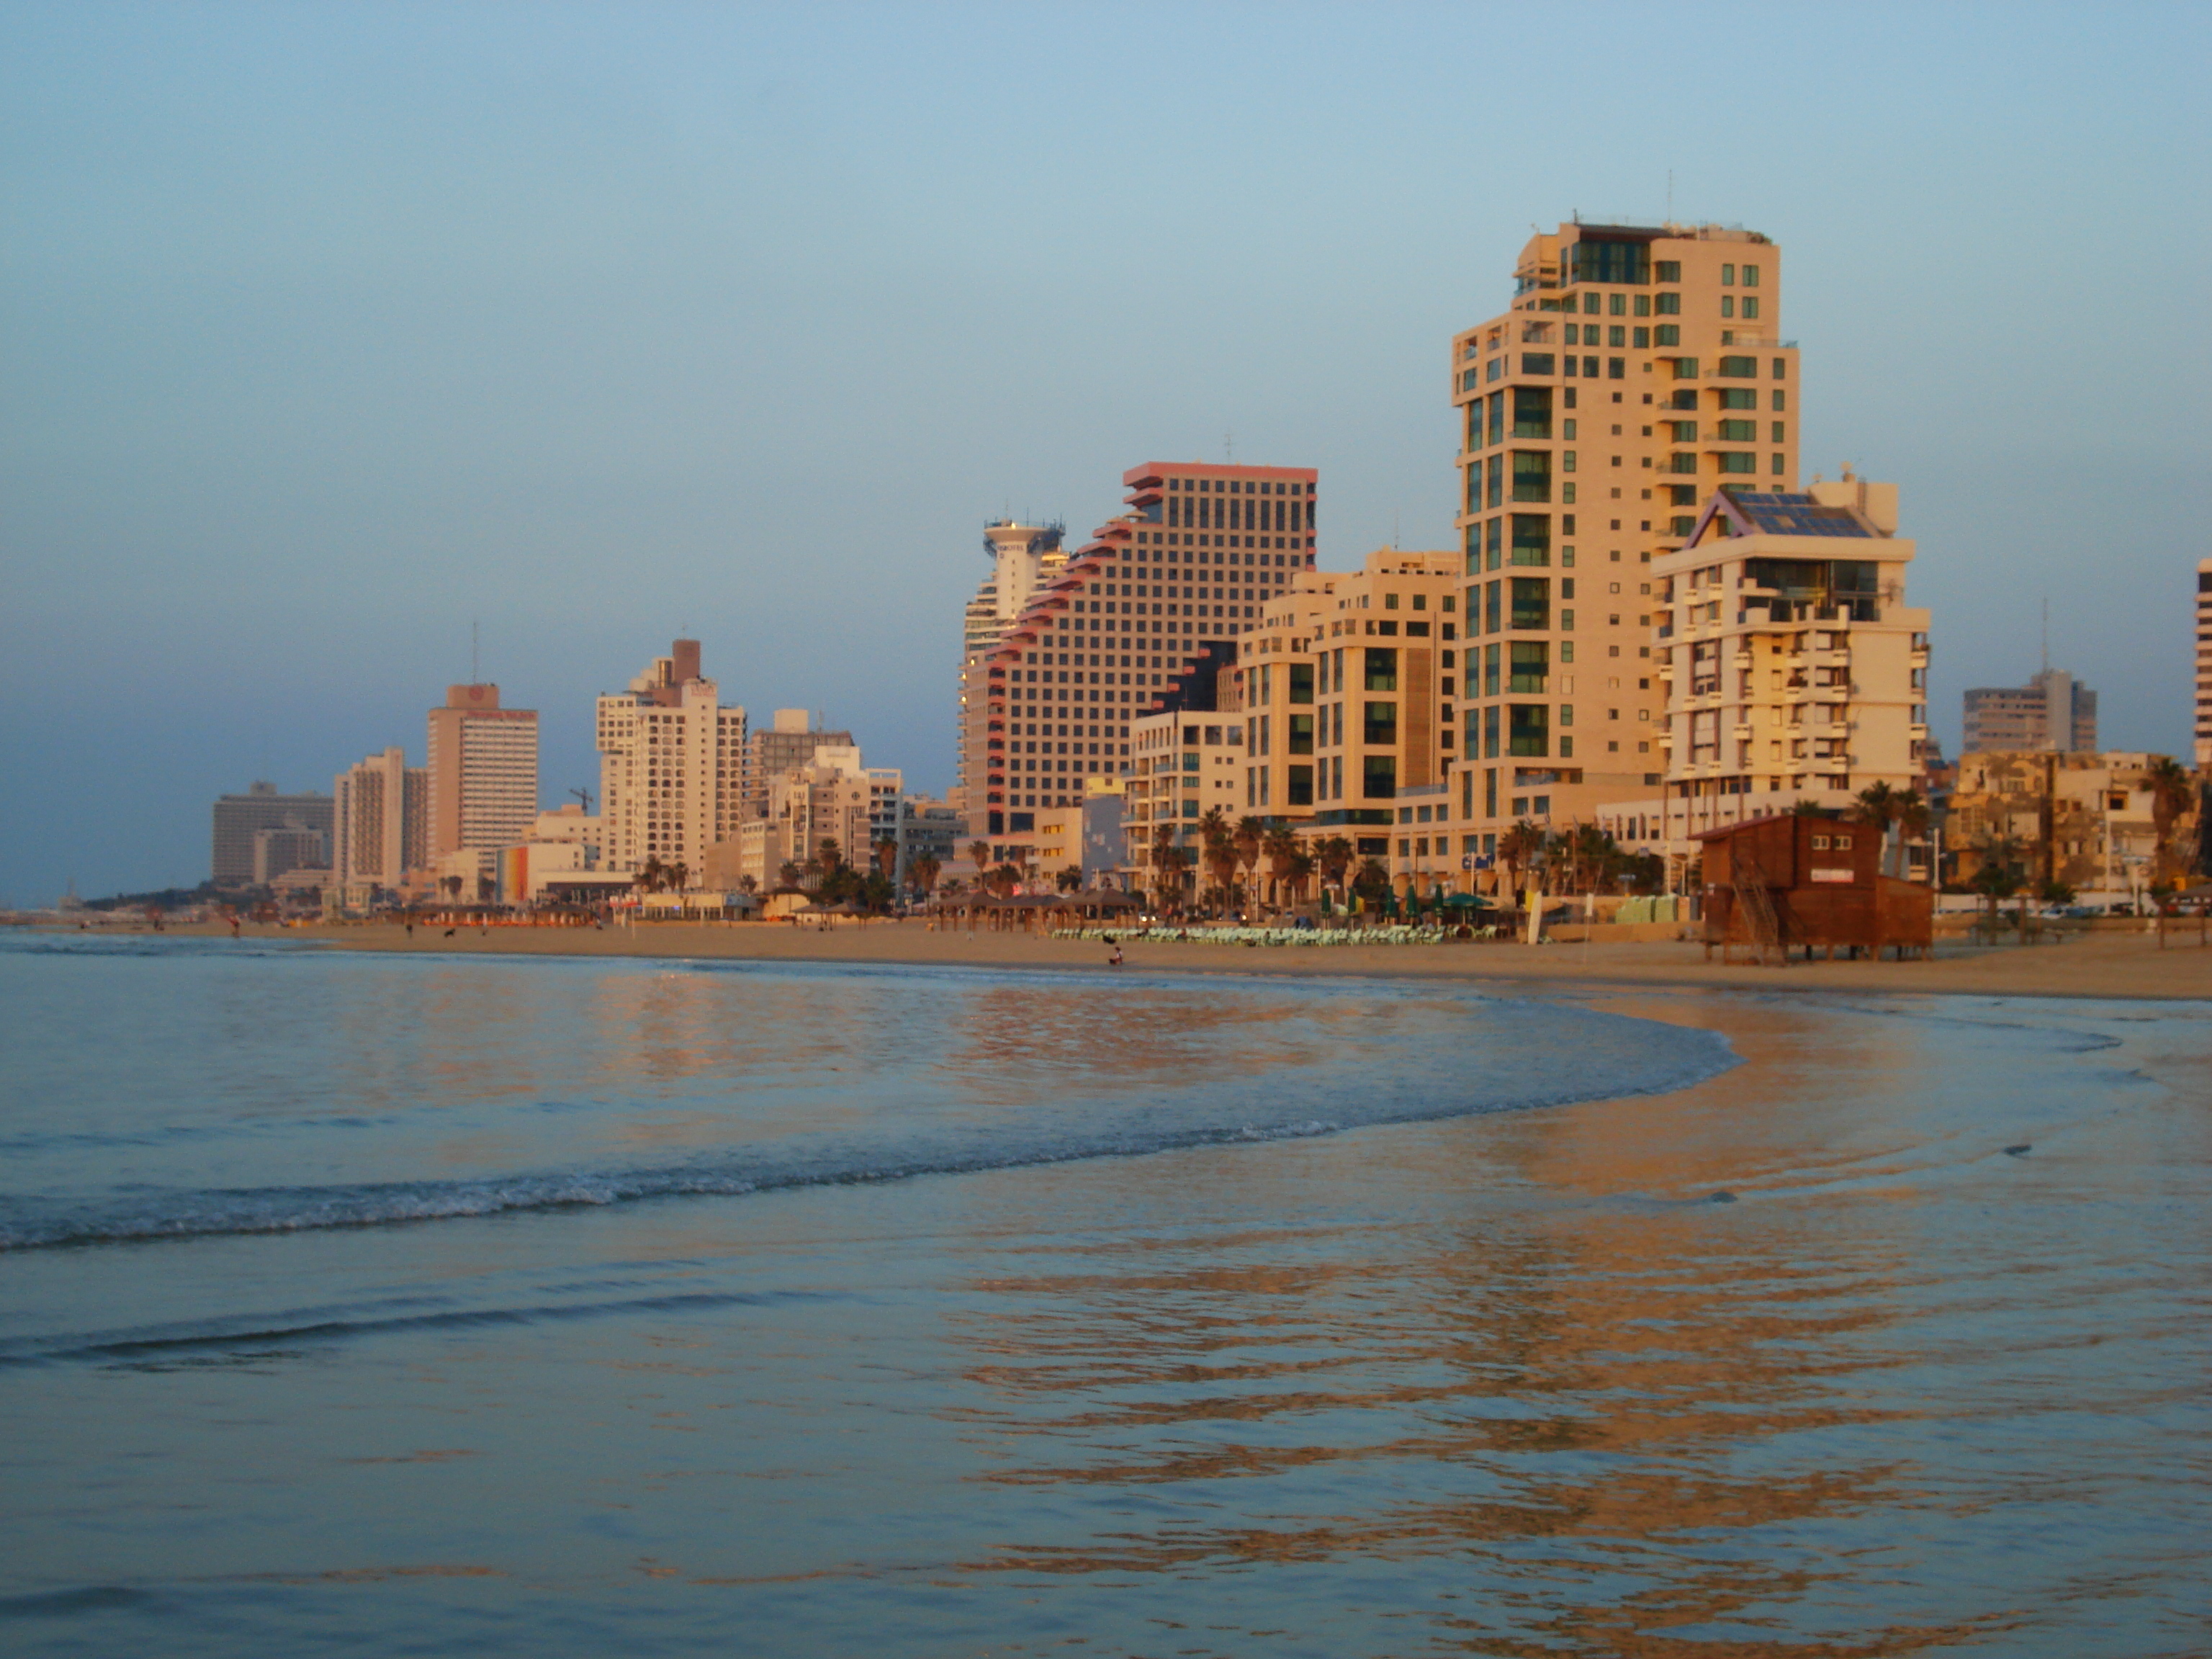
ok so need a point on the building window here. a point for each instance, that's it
(1381, 674)
(1667, 334)
(1727, 309)
(1531, 538)
(1532, 602)
(1532, 664)
(1751, 307)
(1735, 461)
(1733, 432)
(1298, 786)
(1530, 728)
(1538, 362)
(1667, 270)
(1301, 734)
(1739, 368)
(1379, 777)
(1532, 475)
(1381, 724)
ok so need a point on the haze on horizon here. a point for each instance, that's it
(329, 331)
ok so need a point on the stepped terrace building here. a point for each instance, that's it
(1132, 623)
(1637, 370)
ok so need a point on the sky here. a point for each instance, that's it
(329, 333)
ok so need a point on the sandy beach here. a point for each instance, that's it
(2102, 963)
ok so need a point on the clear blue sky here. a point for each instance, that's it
(326, 328)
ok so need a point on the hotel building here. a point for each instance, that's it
(381, 818)
(1789, 666)
(239, 818)
(1134, 622)
(669, 760)
(1636, 370)
(483, 772)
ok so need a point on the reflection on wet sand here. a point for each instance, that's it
(1583, 1391)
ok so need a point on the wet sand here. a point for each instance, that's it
(2104, 963)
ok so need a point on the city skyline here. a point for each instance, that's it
(261, 393)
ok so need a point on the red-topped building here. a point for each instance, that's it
(1140, 619)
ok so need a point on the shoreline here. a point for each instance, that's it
(2122, 966)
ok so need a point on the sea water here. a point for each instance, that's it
(411, 1303)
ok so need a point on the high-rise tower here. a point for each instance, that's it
(483, 772)
(1637, 370)
(1023, 556)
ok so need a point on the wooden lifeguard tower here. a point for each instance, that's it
(1773, 883)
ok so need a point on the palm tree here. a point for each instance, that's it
(830, 855)
(679, 876)
(651, 875)
(1246, 838)
(2172, 793)
(1996, 876)
(886, 853)
(1281, 848)
(1333, 854)
(1298, 872)
(1881, 808)
(1170, 864)
(979, 854)
(787, 874)
(923, 873)
(1517, 846)
(452, 885)
(748, 884)
(1070, 880)
(1220, 856)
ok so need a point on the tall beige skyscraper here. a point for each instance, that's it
(1637, 370)
(484, 771)
(380, 822)
(670, 761)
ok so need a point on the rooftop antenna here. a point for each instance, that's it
(475, 679)
(1394, 548)
(1229, 447)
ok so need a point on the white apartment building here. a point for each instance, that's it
(1185, 765)
(380, 824)
(1789, 666)
(671, 757)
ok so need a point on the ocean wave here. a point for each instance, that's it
(33, 1224)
